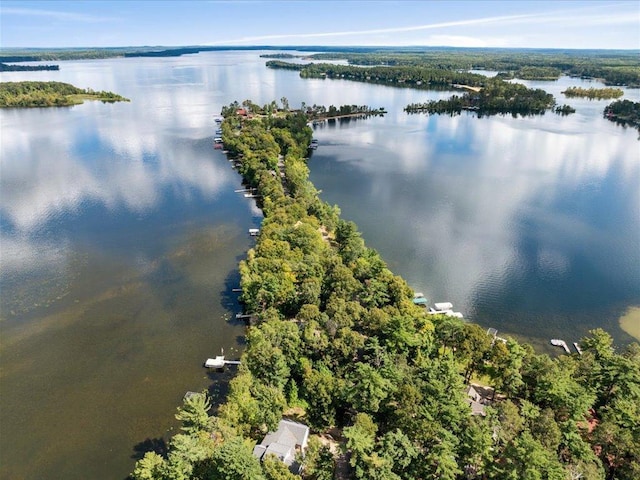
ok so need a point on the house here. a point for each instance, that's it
(290, 438)
(477, 398)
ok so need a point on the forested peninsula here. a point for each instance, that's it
(50, 94)
(389, 392)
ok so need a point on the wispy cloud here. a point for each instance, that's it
(56, 15)
(411, 28)
(566, 18)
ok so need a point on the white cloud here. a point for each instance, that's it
(56, 15)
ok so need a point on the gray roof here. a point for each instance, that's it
(283, 442)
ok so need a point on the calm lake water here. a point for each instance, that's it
(121, 232)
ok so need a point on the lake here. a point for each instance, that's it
(121, 233)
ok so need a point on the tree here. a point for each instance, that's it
(194, 413)
(366, 388)
(319, 463)
(274, 469)
(150, 467)
(234, 460)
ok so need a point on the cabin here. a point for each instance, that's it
(289, 439)
(477, 398)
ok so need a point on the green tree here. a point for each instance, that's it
(194, 413)
(234, 460)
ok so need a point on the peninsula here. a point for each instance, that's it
(339, 345)
(50, 94)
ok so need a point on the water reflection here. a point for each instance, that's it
(513, 220)
(120, 236)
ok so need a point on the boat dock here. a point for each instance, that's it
(556, 342)
(219, 362)
(577, 347)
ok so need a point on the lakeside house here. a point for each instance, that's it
(477, 398)
(290, 438)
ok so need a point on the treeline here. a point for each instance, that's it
(613, 67)
(624, 112)
(497, 97)
(50, 94)
(339, 345)
(597, 93)
(26, 68)
(407, 76)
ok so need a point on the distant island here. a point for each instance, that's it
(593, 93)
(496, 97)
(4, 67)
(50, 94)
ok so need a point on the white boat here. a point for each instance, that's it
(443, 306)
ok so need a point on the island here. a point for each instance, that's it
(624, 112)
(349, 374)
(50, 94)
(496, 97)
(5, 67)
(593, 93)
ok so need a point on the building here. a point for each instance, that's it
(290, 438)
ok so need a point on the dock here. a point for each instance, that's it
(219, 362)
(419, 299)
(556, 342)
(577, 347)
(245, 190)
(254, 232)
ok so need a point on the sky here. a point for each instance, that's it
(608, 24)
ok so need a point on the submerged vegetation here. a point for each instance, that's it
(50, 94)
(593, 93)
(338, 344)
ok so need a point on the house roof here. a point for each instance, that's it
(283, 442)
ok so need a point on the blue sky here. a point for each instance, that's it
(540, 24)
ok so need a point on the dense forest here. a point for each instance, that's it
(496, 97)
(338, 343)
(50, 94)
(4, 67)
(613, 67)
(624, 112)
(593, 93)
(405, 76)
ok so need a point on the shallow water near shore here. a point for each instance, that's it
(121, 233)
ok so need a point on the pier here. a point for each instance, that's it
(556, 342)
(219, 362)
